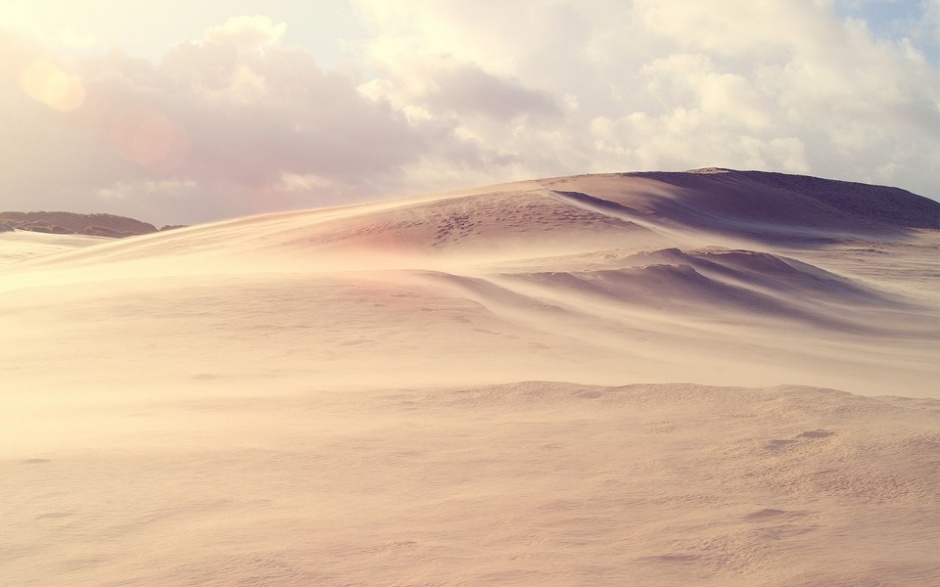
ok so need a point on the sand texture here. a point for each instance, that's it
(701, 378)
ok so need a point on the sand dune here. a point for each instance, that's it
(22, 245)
(623, 379)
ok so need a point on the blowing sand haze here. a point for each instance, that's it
(713, 378)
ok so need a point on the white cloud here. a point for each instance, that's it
(250, 32)
(448, 94)
(679, 84)
(163, 189)
(233, 122)
(302, 182)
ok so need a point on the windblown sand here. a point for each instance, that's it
(601, 380)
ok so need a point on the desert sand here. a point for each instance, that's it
(701, 378)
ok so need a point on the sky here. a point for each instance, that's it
(181, 112)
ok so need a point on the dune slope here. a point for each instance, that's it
(712, 377)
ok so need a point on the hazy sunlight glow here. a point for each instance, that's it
(147, 137)
(48, 83)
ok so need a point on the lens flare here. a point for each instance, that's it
(49, 84)
(149, 138)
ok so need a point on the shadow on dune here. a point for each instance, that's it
(772, 207)
(775, 273)
(731, 284)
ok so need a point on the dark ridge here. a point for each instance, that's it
(831, 204)
(107, 225)
(886, 204)
(782, 274)
(683, 288)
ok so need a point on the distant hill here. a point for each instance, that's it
(107, 225)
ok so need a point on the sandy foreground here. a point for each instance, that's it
(602, 380)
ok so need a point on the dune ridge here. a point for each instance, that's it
(713, 377)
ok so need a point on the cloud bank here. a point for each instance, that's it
(444, 95)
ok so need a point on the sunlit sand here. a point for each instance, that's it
(709, 378)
